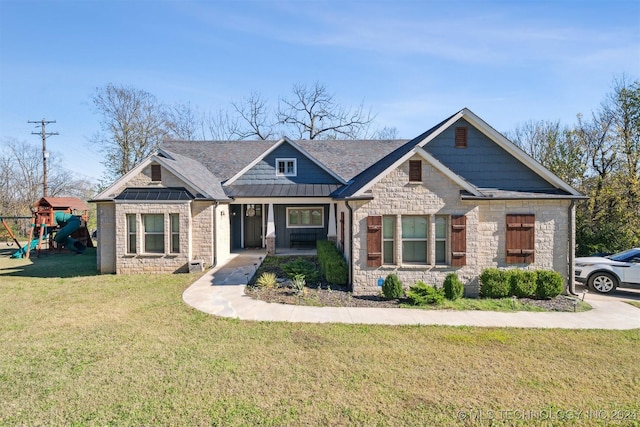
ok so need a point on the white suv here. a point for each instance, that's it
(604, 274)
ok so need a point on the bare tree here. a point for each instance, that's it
(21, 177)
(220, 126)
(256, 117)
(184, 122)
(132, 126)
(313, 114)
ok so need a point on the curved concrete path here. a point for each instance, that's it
(220, 292)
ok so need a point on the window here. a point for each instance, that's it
(131, 233)
(461, 137)
(520, 239)
(156, 173)
(286, 167)
(153, 233)
(415, 170)
(441, 239)
(414, 239)
(305, 217)
(448, 241)
(175, 233)
(388, 239)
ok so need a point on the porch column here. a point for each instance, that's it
(332, 234)
(271, 232)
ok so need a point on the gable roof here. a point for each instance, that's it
(357, 165)
(344, 158)
(274, 148)
(364, 180)
(360, 185)
(190, 171)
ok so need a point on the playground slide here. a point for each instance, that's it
(32, 245)
(69, 224)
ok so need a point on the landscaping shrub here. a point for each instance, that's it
(494, 284)
(267, 280)
(453, 287)
(523, 283)
(392, 287)
(423, 294)
(297, 283)
(549, 284)
(303, 267)
(332, 264)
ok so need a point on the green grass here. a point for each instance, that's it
(83, 349)
(634, 303)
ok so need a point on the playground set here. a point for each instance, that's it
(57, 221)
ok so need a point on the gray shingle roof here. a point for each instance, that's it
(196, 173)
(226, 158)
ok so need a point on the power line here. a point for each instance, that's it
(45, 154)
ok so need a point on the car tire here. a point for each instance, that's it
(603, 282)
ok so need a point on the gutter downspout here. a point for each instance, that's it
(215, 234)
(571, 286)
(350, 243)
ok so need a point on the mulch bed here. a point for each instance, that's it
(323, 295)
(340, 297)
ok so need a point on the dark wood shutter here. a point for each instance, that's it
(521, 238)
(374, 241)
(156, 173)
(461, 137)
(458, 240)
(415, 170)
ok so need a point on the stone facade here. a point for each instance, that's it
(106, 250)
(485, 230)
(199, 222)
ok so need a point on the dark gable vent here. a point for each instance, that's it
(156, 173)
(461, 137)
(415, 170)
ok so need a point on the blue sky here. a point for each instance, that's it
(413, 63)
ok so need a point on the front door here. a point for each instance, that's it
(253, 226)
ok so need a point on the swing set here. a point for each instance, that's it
(59, 221)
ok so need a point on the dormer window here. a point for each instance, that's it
(286, 167)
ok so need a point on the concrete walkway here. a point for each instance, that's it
(221, 292)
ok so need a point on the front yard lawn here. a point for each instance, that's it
(83, 349)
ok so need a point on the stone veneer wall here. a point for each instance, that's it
(486, 229)
(106, 250)
(202, 225)
(152, 263)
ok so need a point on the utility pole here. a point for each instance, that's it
(45, 154)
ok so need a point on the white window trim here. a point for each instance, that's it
(173, 233)
(446, 239)
(305, 208)
(430, 240)
(286, 160)
(146, 233)
(134, 234)
(390, 239)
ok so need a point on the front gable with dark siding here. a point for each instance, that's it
(307, 170)
(482, 162)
